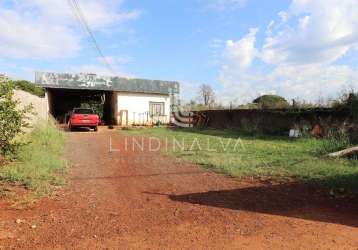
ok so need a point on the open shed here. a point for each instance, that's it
(119, 101)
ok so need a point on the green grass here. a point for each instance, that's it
(39, 165)
(277, 158)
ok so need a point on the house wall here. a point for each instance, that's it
(136, 105)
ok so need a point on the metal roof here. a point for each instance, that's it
(110, 83)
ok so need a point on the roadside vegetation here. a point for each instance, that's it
(29, 87)
(34, 159)
(39, 164)
(12, 120)
(264, 157)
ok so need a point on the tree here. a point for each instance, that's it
(206, 94)
(271, 102)
(12, 119)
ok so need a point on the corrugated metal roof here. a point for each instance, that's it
(112, 83)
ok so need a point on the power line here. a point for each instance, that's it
(77, 11)
(91, 35)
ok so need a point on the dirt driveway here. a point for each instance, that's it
(121, 200)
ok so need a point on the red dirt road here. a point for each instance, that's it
(121, 200)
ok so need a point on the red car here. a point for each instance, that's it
(83, 117)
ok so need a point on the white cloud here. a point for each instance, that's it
(22, 37)
(97, 69)
(306, 82)
(241, 53)
(48, 29)
(298, 54)
(314, 32)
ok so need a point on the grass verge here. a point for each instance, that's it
(40, 164)
(277, 158)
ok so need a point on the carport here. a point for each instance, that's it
(62, 101)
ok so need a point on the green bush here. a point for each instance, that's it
(271, 102)
(12, 119)
(30, 88)
(349, 101)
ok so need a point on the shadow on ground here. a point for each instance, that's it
(65, 128)
(291, 200)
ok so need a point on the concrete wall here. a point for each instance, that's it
(137, 107)
(40, 105)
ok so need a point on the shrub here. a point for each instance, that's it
(349, 101)
(337, 139)
(12, 119)
(30, 88)
(352, 104)
(271, 102)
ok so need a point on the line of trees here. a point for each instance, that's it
(206, 99)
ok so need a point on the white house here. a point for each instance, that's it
(122, 101)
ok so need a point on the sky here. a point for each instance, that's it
(302, 49)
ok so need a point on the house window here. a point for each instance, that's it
(156, 108)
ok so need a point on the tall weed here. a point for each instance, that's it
(39, 163)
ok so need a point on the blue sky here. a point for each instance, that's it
(242, 48)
